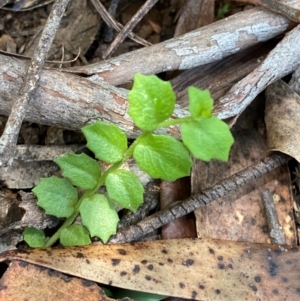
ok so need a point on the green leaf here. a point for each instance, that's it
(136, 295)
(125, 188)
(99, 216)
(106, 141)
(56, 196)
(151, 101)
(35, 238)
(201, 103)
(74, 235)
(162, 157)
(81, 170)
(209, 138)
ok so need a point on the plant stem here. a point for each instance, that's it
(91, 192)
(170, 122)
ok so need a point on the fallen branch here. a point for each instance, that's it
(63, 100)
(204, 198)
(282, 60)
(202, 46)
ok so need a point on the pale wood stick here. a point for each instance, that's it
(282, 60)
(199, 47)
(128, 27)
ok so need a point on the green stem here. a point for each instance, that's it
(170, 122)
(91, 192)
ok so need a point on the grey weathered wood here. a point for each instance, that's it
(65, 100)
(282, 60)
(205, 45)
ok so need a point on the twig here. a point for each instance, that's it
(277, 7)
(18, 7)
(108, 31)
(117, 26)
(275, 229)
(282, 60)
(129, 26)
(46, 61)
(9, 138)
(3, 2)
(207, 196)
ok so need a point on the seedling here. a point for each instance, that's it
(151, 104)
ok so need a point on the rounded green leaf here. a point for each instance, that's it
(201, 103)
(125, 188)
(81, 170)
(163, 157)
(99, 215)
(151, 101)
(74, 235)
(106, 141)
(209, 138)
(56, 196)
(35, 238)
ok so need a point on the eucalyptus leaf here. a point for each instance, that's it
(151, 101)
(106, 141)
(209, 138)
(81, 170)
(163, 157)
(99, 216)
(125, 188)
(56, 196)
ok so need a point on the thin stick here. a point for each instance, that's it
(275, 229)
(108, 31)
(207, 196)
(9, 138)
(115, 25)
(128, 27)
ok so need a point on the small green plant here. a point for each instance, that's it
(151, 104)
(223, 10)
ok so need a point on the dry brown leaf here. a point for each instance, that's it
(195, 14)
(282, 119)
(199, 269)
(4, 39)
(23, 281)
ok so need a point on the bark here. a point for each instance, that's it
(202, 46)
(282, 60)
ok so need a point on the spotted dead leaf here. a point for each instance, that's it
(24, 281)
(282, 119)
(207, 270)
